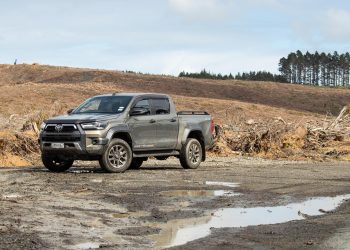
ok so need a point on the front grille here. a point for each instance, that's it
(65, 128)
(61, 138)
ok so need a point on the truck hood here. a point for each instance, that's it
(78, 118)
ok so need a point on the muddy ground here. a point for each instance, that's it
(147, 208)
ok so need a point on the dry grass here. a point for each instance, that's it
(290, 97)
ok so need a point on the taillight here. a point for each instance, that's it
(212, 127)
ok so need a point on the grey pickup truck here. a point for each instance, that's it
(122, 130)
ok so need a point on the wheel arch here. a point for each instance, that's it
(124, 136)
(120, 133)
(198, 135)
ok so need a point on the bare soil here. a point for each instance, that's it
(144, 208)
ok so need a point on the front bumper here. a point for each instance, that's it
(78, 144)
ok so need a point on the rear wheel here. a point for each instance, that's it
(117, 158)
(55, 164)
(191, 154)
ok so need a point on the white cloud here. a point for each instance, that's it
(161, 36)
(201, 9)
(337, 24)
(329, 27)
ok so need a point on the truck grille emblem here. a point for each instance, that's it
(59, 127)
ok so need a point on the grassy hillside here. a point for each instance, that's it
(285, 96)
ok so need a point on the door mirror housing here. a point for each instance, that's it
(139, 111)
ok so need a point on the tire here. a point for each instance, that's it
(56, 165)
(191, 154)
(117, 157)
(136, 163)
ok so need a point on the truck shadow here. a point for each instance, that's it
(96, 170)
(167, 167)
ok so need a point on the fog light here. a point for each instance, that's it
(99, 141)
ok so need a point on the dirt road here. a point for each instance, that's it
(226, 203)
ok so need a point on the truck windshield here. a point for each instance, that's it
(104, 104)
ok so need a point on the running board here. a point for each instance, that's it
(155, 153)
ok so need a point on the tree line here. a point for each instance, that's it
(260, 76)
(252, 76)
(317, 69)
(204, 74)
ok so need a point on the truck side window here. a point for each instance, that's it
(161, 106)
(144, 104)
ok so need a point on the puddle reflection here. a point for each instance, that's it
(199, 193)
(87, 245)
(189, 230)
(221, 183)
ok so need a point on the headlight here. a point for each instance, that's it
(94, 125)
(42, 126)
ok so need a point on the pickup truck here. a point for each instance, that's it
(121, 130)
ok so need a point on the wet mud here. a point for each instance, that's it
(226, 203)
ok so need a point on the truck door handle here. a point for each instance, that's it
(152, 121)
(173, 120)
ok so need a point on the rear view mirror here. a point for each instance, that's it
(139, 111)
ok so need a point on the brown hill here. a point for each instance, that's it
(285, 96)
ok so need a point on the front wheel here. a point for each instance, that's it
(191, 154)
(117, 157)
(55, 164)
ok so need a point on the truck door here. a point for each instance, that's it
(143, 127)
(167, 123)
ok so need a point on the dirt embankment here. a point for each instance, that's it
(18, 149)
(292, 97)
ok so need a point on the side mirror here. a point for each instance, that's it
(70, 111)
(139, 111)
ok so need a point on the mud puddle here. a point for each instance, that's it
(83, 171)
(179, 232)
(11, 196)
(87, 245)
(221, 183)
(205, 193)
(199, 193)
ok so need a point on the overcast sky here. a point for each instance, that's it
(168, 36)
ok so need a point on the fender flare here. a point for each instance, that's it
(187, 132)
(121, 128)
